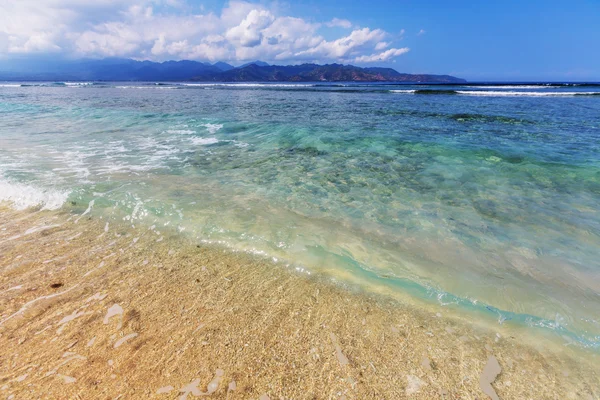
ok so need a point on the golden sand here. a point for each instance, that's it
(90, 310)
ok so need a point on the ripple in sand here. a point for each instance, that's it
(68, 379)
(114, 310)
(124, 339)
(165, 389)
(97, 296)
(28, 304)
(426, 364)
(192, 388)
(414, 384)
(69, 318)
(343, 360)
(214, 384)
(491, 370)
(212, 387)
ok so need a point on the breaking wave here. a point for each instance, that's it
(22, 196)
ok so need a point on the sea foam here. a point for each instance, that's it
(494, 93)
(180, 131)
(22, 196)
(198, 141)
(524, 94)
(213, 128)
(249, 85)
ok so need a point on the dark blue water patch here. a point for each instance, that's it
(487, 119)
(435, 92)
(458, 117)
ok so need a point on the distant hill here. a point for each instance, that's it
(108, 69)
(223, 66)
(257, 62)
(117, 69)
(318, 73)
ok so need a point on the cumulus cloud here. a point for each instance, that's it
(381, 57)
(341, 23)
(346, 46)
(382, 45)
(249, 32)
(421, 32)
(165, 29)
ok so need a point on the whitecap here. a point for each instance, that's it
(22, 196)
(198, 141)
(180, 132)
(249, 85)
(213, 128)
(514, 87)
(494, 93)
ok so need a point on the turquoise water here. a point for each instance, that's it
(477, 197)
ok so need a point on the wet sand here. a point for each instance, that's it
(97, 310)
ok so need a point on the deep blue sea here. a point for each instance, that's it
(483, 198)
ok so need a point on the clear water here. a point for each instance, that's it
(487, 198)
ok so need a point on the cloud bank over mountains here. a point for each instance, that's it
(173, 29)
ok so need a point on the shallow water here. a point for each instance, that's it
(484, 199)
(90, 311)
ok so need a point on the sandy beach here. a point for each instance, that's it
(91, 308)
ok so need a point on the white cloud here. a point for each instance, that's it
(37, 42)
(382, 45)
(381, 57)
(421, 32)
(340, 23)
(165, 29)
(345, 46)
(249, 32)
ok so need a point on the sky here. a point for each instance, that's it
(473, 39)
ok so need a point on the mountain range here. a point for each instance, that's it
(116, 69)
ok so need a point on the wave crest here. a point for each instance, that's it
(22, 196)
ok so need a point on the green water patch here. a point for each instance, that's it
(309, 151)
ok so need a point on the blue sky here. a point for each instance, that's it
(476, 40)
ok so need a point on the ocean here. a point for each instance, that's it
(483, 199)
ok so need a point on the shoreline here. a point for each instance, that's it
(201, 318)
